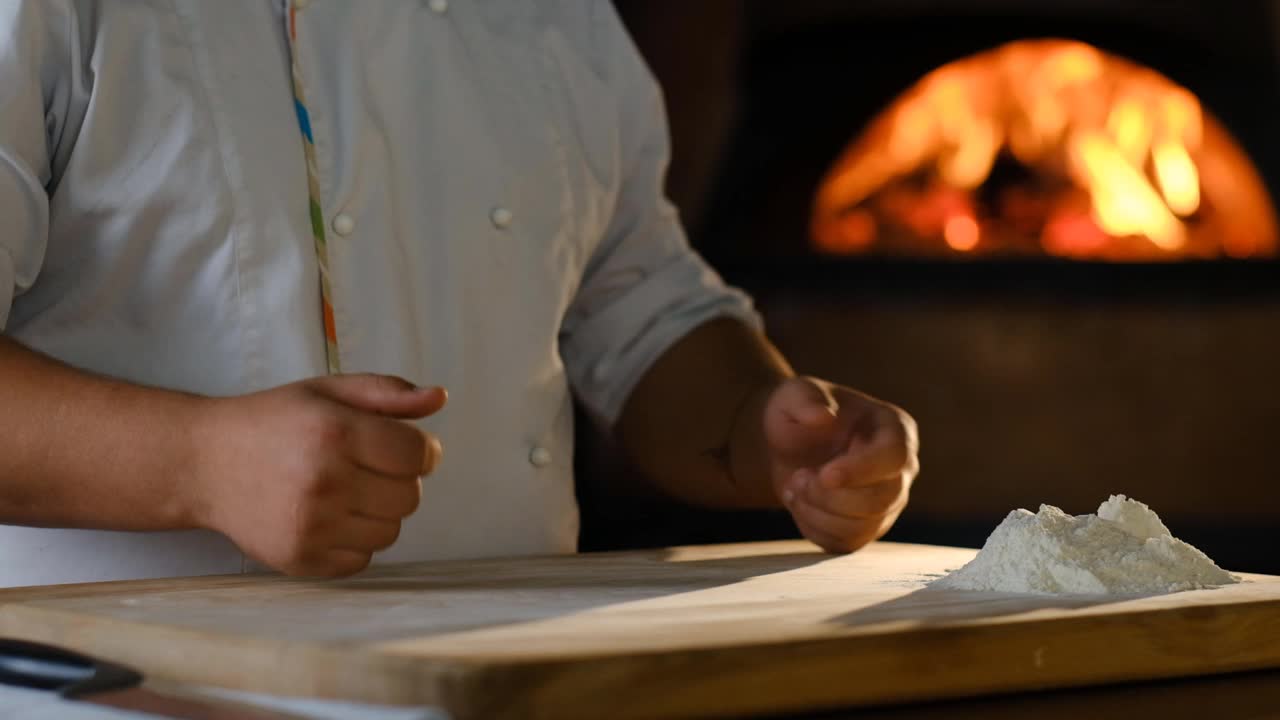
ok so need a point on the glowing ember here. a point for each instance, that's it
(961, 233)
(1046, 146)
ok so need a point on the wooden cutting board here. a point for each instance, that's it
(709, 631)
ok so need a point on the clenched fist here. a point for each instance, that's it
(840, 461)
(313, 478)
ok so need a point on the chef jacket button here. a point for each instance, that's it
(344, 224)
(500, 217)
(539, 456)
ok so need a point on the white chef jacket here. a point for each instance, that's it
(490, 174)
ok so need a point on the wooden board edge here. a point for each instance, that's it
(831, 673)
(248, 663)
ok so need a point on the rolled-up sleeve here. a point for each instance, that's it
(644, 287)
(33, 35)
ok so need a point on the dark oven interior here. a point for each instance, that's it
(1036, 376)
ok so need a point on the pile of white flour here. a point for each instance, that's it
(1123, 550)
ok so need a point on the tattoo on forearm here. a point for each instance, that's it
(722, 454)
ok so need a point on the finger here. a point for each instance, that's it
(887, 523)
(333, 563)
(795, 485)
(364, 534)
(392, 447)
(887, 453)
(800, 416)
(860, 502)
(807, 402)
(823, 534)
(841, 534)
(382, 394)
(828, 543)
(433, 455)
(384, 498)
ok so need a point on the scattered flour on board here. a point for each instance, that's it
(1122, 550)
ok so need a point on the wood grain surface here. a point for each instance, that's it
(717, 631)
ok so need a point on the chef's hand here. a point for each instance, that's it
(841, 462)
(312, 478)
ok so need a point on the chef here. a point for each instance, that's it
(247, 245)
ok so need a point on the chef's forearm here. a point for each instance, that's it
(83, 451)
(698, 407)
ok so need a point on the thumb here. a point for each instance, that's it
(800, 415)
(383, 394)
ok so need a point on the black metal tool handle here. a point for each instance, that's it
(69, 674)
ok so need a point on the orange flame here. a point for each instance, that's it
(1124, 203)
(1178, 177)
(1131, 140)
